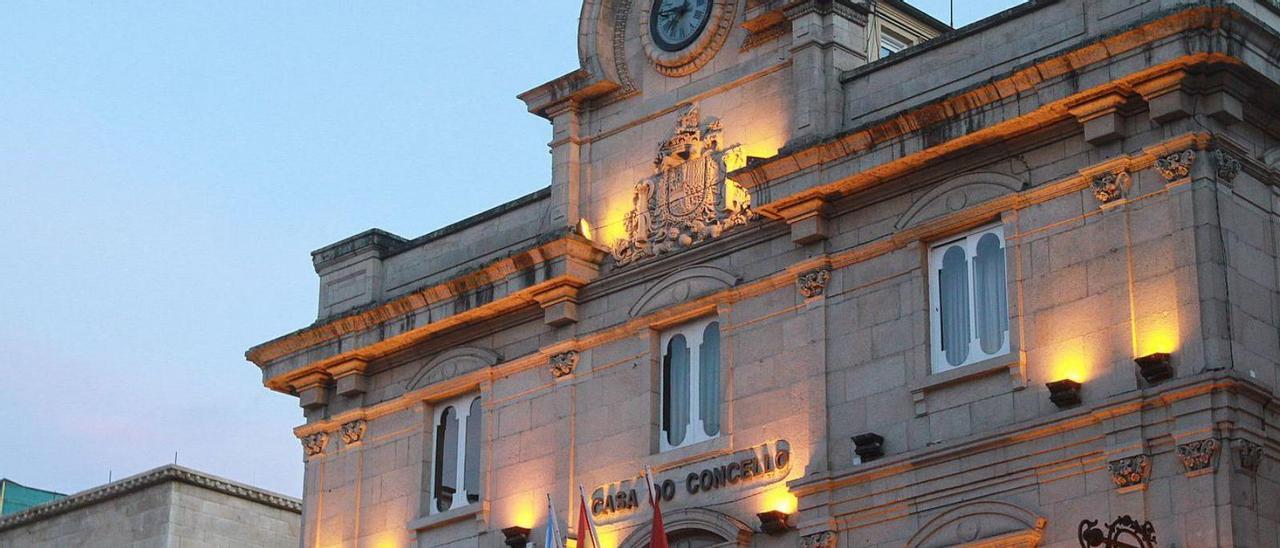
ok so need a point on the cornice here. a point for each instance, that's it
(1208, 382)
(149, 479)
(804, 158)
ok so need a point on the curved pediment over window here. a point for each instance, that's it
(682, 286)
(982, 523)
(961, 192)
(1272, 158)
(452, 363)
(696, 525)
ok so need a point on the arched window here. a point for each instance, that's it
(690, 384)
(455, 478)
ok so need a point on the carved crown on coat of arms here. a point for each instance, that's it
(689, 200)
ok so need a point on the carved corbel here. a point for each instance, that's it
(808, 220)
(563, 363)
(353, 432)
(813, 283)
(1130, 471)
(314, 444)
(312, 389)
(1199, 455)
(1226, 166)
(349, 376)
(1109, 181)
(1101, 118)
(1248, 455)
(1177, 165)
(1167, 96)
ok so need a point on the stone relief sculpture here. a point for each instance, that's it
(1110, 186)
(564, 363)
(814, 283)
(689, 200)
(1228, 166)
(313, 444)
(1250, 455)
(353, 432)
(1198, 455)
(1130, 471)
(825, 539)
(1177, 165)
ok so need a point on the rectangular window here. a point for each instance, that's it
(968, 300)
(891, 43)
(690, 391)
(455, 477)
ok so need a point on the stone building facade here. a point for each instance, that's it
(1013, 284)
(167, 507)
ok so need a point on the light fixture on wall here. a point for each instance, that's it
(517, 537)
(774, 522)
(868, 446)
(1064, 393)
(1155, 368)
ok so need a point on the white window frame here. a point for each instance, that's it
(463, 406)
(890, 40)
(969, 242)
(695, 431)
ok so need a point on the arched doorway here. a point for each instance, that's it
(695, 528)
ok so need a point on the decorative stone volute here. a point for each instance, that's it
(1110, 186)
(564, 363)
(313, 444)
(813, 283)
(1198, 455)
(1130, 471)
(1177, 165)
(353, 432)
(689, 200)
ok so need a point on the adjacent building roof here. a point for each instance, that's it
(144, 480)
(15, 497)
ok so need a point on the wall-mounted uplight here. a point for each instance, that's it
(1155, 368)
(516, 536)
(584, 229)
(1064, 393)
(774, 522)
(868, 446)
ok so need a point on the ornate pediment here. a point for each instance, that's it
(452, 363)
(689, 199)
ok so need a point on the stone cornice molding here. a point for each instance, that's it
(581, 258)
(149, 479)
(1167, 394)
(864, 139)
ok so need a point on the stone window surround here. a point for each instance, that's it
(936, 249)
(694, 332)
(654, 331)
(1014, 361)
(462, 403)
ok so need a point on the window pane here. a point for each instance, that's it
(990, 295)
(471, 472)
(953, 298)
(446, 459)
(709, 379)
(675, 390)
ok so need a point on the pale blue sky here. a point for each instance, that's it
(167, 167)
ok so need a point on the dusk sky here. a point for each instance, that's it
(167, 167)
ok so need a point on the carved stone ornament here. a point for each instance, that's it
(564, 363)
(1130, 471)
(814, 283)
(1108, 187)
(1124, 531)
(688, 201)
(1227, 165)
(825, 539)
(314, 444)
(1250, 455)
(1198, 455)
(353, 431)
(1177, 165)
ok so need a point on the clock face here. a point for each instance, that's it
(674, 24)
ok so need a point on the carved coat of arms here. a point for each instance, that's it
(689, 200)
